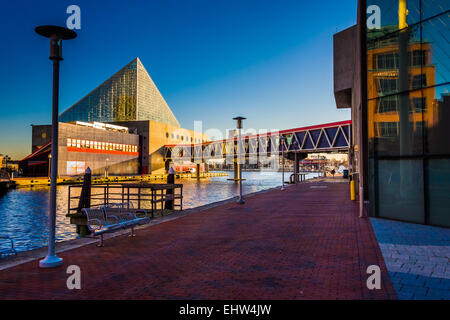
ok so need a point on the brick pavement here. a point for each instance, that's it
(417, 258)
(302, 243)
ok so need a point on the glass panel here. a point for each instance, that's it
(394, 60)
(437, 117)
(399, 190)
(393, 124)
(113, 100)
(389, 11)
(438, 184)
(436, 42)
(431, 8)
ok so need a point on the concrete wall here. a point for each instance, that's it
(350, 89)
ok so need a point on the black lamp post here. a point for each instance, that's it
(239, 127)
(56, 35)
(282, 143)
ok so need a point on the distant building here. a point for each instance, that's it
(119, 128)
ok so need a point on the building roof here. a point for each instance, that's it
(130, 94)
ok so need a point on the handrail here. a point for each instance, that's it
(155, 196)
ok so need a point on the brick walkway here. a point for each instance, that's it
(303, 243)
(417, 258)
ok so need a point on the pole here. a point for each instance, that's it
(56, 34)
(241, 201)
(52, 260)
(238, 165)
(282, 163)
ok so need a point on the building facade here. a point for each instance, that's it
(128, 95)
(106, 150)
(119, 128)
(403, 107)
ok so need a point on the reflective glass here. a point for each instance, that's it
(400, 193)
(438, 184)
(436, 42)
(389, 11)
(438, 120)
(432, 8)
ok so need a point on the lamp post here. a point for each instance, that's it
(56, 35)
(239, 127)
(282, 140)
(49, 164)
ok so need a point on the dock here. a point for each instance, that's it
(26, 182)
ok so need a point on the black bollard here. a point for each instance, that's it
(85, 197)
(170, 180)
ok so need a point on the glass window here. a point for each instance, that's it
(420, 104)
(69, 142)
(436, 41)
(388, 104)
(419, 81)
(438, 185)
(419, 58)
(400, 189)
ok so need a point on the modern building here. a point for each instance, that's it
(393, 69)
(129, 95)
(119, 128)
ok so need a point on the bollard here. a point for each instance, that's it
(352, 190)
(85, 197)
(170, 180)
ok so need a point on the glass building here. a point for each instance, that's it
(128, 95)
(408, 110)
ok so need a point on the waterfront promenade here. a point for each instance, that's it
(306, 242)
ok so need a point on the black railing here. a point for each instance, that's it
(150, 197)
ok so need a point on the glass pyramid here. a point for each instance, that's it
(128, 95)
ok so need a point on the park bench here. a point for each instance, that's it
(9, 248)
(111, 218)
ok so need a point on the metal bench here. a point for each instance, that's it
(10, 249)
(105, 220)
(126, 214)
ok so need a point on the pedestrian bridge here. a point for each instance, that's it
(329, 137)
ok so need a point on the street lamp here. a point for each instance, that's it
(239, 127)
(282, 141)
(56, 35)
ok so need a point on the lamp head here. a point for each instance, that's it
(239, 121)
(56, 35)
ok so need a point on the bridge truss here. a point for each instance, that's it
(330, 137)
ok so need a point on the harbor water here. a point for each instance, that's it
(24, 212)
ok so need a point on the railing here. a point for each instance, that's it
(151, 197)
(301, 178)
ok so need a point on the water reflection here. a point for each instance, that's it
(24, 212)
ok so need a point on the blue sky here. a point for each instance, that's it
(270, 61)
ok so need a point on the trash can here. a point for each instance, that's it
(345, 173)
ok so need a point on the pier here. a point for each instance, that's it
(145, 199)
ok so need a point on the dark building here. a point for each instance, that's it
(393, 69)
